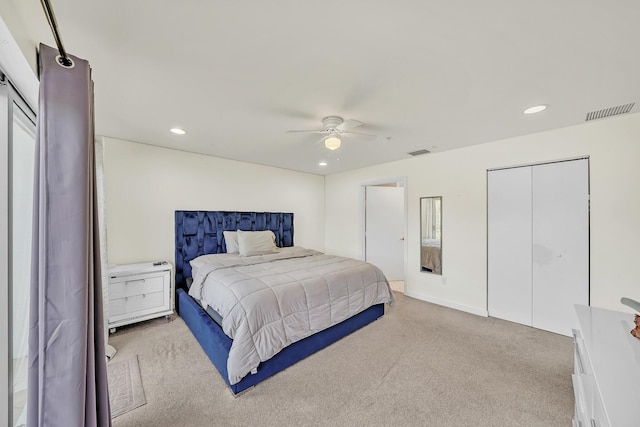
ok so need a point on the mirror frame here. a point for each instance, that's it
(423, 269)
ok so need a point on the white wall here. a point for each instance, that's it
(14, 63)
(19, 34)
(460, 177)
(144, 185)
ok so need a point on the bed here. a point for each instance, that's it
(430, 257)
(200, 235)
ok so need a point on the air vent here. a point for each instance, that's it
(609, 112)
(419, 152)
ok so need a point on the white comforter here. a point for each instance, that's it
(268, 302)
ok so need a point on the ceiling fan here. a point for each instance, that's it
(334, 128)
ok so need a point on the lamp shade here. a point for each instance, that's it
(332, 143)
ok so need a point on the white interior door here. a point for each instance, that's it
(384, 229)
(561, 243)
(509, 244)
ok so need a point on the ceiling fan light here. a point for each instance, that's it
(332, 143)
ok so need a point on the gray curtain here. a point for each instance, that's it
(67, 367)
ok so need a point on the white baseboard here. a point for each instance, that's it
(449, 304)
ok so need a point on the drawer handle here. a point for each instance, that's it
(579, 357)
(137, 280)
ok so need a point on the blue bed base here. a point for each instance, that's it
(201, 232)
(216, 344)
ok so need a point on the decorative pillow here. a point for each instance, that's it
(231, 240)
(256, 242)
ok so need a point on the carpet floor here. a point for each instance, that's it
(420, 365)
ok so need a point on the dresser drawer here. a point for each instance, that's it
(139, 292)
(581, 410)
(589, 411)
(137, 304)
(599, 417)
(581, 362)
(136, 286)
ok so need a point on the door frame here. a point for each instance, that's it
(402, 182)
(21, 82)
(10, 99)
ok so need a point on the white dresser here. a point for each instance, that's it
(606, 379)
(139, 292)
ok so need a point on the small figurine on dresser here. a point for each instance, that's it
(636, 332)
(636, 306)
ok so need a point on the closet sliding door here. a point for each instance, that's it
(560, 243)
(538, 243)
(510, 244)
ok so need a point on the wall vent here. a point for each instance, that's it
(608, 112)
(419, 152)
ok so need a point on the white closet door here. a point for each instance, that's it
(509, 244)
(561, 243)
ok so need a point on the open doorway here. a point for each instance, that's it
(384, 225)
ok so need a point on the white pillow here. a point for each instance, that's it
(256, 242)
(202, 260)
(231, 240)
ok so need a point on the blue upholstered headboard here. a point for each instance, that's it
(200, 233)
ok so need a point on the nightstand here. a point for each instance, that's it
(139, 292)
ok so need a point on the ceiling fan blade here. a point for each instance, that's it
(306, 131)
(348, 124)
(359, 133)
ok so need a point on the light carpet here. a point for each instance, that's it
(125, 385)
(420, 365)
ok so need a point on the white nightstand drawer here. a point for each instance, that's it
(139, 292)
(136, 286)
(134, 304)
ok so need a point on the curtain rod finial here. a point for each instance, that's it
(65, 61)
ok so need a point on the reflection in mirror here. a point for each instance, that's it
(431, 234)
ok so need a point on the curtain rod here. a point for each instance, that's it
(64, 59)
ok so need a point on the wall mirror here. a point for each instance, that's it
(431, 235)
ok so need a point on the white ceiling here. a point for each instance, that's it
(429, 74)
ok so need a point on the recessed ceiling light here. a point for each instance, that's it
(535, 109)
(178, 131)
(322, 164)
